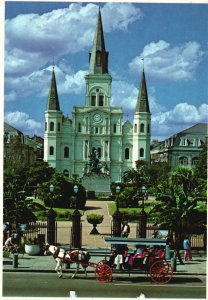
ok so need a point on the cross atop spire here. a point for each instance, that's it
(98, 55)
(143, 62)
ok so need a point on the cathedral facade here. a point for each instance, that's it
(96, 140)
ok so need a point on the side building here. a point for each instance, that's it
(181, 149)
(20, 148)
(97, 128)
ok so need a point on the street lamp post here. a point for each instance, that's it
(117, 216)
(51, 217)
(76, 224)
(142, 224)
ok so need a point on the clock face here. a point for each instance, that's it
(97, 117)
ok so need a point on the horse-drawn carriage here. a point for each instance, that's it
(151, 260)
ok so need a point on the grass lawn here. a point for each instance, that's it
(63, 214)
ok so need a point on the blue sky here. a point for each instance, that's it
(172, 38)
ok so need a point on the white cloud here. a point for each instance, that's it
(11, 96)
(38, 83)
(119, 16)
(23, 122)
(164, 62)
(125, 95)
(181, 116)
(32, 40)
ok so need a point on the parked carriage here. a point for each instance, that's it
(153, 261)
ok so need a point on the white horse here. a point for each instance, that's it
(74, 256)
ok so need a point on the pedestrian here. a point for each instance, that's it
(187, 249)
(112, 257)
(11, 244)
(155, 234)
(177, 246)
(121, 256)
(125, 229)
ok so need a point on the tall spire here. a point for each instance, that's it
(98, 55)
(142, 100)
(53, 101)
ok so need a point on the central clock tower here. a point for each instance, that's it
(98, 125)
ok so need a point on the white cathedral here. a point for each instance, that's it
(96, 140)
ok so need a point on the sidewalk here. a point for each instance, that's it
(47, 264)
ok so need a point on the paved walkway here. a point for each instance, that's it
(90, 240)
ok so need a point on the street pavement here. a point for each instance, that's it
(96, 245)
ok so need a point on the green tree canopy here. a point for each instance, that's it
(177, 207)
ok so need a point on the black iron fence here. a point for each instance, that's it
(38, 231)
(198, 241)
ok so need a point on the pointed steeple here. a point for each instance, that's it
(142, 100)
(98, 55)
(53, 101)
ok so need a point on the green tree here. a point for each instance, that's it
(184, 177)
(16, 207)
(36, 174)
(200, 174)
(176, 206)
(158, 172)
(128, 198)
(137, 176)
(63, 194)
(201, 165)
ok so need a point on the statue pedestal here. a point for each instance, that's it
(98, 183)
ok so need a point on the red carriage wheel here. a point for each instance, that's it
(103, 272)
(161, 272)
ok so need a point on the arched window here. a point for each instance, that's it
(101, 100)
(51, 150)
(51, 126)
(114, 127)
(194, 160)
(99, 152)
(93, 100)
(107, 125)
(148, 128)
(59, 126)
(86, 148)
(87, 124)
(45, 126)
(142, 127)
(79, 127)
(66, 152)
(127, 153)
(141, 152)
(183, 161)
(135, 128)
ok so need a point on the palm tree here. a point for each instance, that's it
(184, 177)
(176, 207)
(137, 177)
